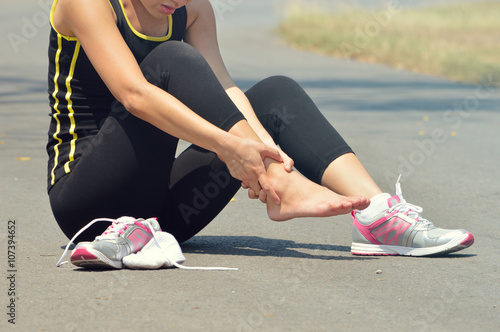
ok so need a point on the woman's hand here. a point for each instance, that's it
(262, 196)
(287, 161)
(245, 160)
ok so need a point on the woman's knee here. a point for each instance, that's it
(277, 85)
(169, 58)
(275, 96)
(177, 51)
(274, 91)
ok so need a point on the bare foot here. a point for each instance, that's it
(303, 198)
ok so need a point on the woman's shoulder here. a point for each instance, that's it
(195, 8)
(63, 11)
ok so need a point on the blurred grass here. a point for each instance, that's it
(460, 42)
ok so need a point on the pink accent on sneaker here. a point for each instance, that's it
(139, 239)
(391, 203)
(468, 241)
(397, 225)
(370, 254)
(82, 254)
(139, 224)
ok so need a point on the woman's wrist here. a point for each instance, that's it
(266, 138)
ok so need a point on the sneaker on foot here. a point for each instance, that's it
(125, 236)
(399, 229)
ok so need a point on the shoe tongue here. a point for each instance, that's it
(379, 202)
(393, 201)
(377, 208)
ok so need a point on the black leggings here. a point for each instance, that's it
(130, 168)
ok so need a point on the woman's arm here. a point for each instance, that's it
(202, 35)
(92, 22)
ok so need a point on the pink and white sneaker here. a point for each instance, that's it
(132, 243)
(125, 236)
(399, 229)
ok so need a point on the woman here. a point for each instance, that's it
(123, 90)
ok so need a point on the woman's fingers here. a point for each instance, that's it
(262, 196)
(268, 189)
(287, 161)
(245, 160)
(269, 152)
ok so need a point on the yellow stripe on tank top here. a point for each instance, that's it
(70, 108)
(51, 19)
(56, 108)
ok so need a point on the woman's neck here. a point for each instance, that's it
(142, 20)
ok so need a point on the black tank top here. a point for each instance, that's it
(78, 98)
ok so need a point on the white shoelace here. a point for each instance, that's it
(114, 231)
(180, 266)
(409, 209)
(59, 263)
(116, 228)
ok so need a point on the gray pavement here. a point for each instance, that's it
(294, 276)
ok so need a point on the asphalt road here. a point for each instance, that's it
(294, 276)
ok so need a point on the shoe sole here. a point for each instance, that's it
(89, 258)
(457, 244)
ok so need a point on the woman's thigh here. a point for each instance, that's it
(125, 170)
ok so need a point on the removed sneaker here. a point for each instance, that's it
(394, 227)
(163, 251)
(125, 236)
